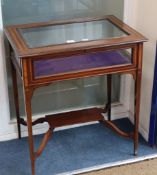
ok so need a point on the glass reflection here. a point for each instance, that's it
(27, 11)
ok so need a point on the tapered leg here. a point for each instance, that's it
(137, 110)
(28, 96)
(137, 96)
(16, 99)
(109, 94)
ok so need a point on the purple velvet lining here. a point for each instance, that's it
(77, 63)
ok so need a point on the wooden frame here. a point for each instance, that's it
(20, 50)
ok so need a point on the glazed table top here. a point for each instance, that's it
(66, 36)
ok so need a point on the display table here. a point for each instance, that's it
(44, 53)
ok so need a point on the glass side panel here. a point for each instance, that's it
(70, 33)
(70, 64)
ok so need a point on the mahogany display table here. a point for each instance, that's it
(44, 53)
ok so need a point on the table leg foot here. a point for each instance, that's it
(33, 167)
(135, 152)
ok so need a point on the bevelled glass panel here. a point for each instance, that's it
(70, 33)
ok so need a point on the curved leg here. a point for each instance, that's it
(46, 138)
(16, 98)
(28, 96)
(111, 125)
